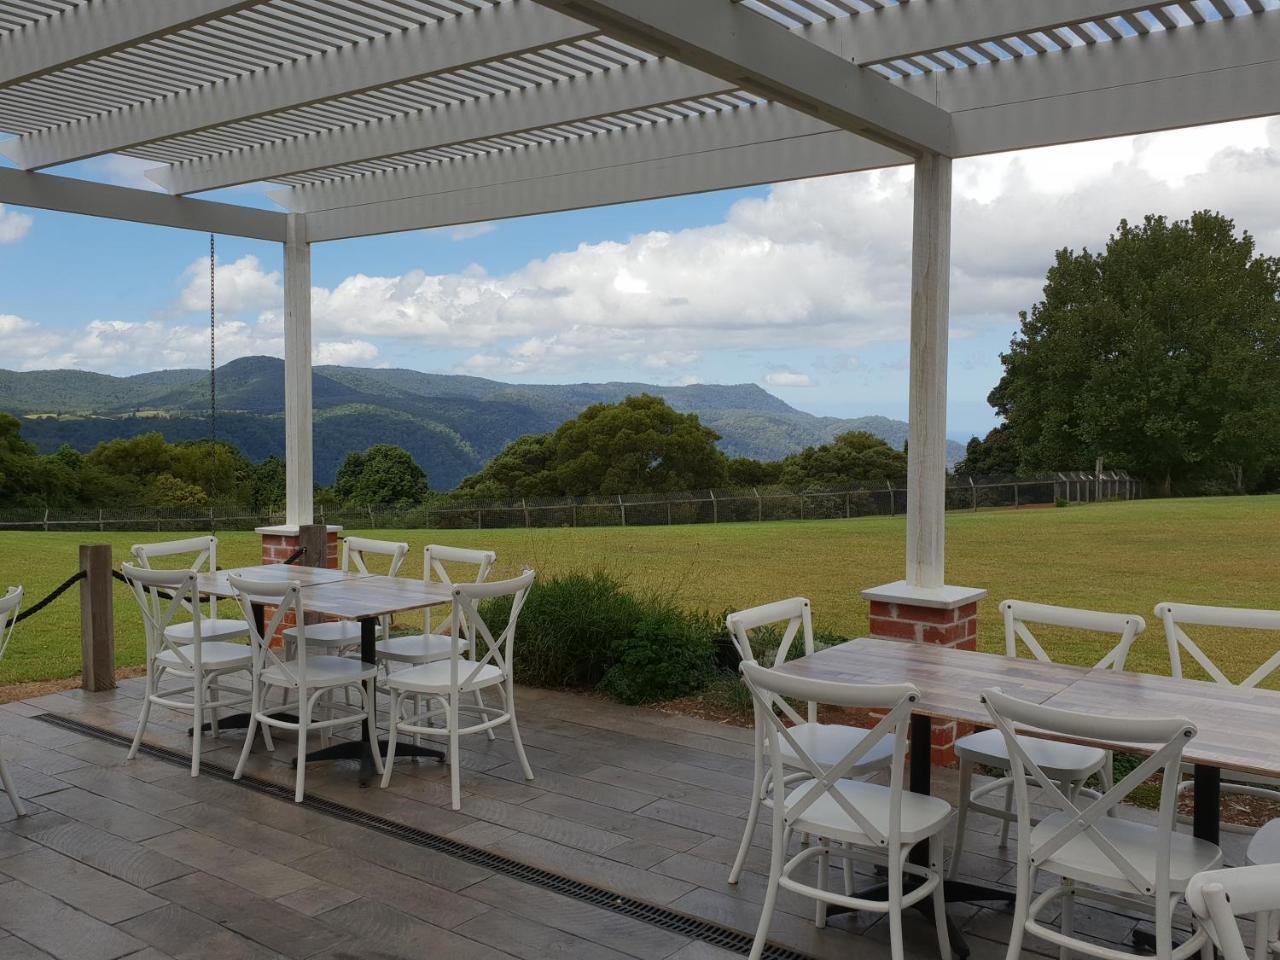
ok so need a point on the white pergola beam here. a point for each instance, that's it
(746, 49)
(813, 155)
(298, 414)
(66, 195)
(96, 29)
(741, 127)
(431, 48)
(619, 90)
(905, 30)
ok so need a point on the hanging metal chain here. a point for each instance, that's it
(213, 379)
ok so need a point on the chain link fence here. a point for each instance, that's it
(697, 506)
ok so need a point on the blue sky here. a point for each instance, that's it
(801, 288)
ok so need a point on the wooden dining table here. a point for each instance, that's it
(1238, 728)
(342, 595)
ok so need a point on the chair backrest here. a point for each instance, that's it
(355, 551)
(9, 606)
(794, 617)
(204, 551)
(769, 685)
(465, 621)
(1163, 739)
(163, 596)
(1019, 614)
(286, 597)
(1175, 615)
(436, 555)
(1217, 897)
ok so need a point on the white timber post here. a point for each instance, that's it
(297, 373)
(927, 437)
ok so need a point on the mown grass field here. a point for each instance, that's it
(1122, 556)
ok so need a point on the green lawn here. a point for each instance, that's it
(1123, 556)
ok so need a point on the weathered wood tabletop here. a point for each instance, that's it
(335, 593)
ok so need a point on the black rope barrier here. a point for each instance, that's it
(296, 555)
(62, 588)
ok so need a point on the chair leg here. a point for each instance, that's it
(304, 717)
(515, 739)
(372, 721)
(248, 735)
(753, 815)
(771, 891)
(962, 813)
(197, 722)
(820, 906)
(483, 715)
(1068, 923)
(7, 782)
(393, 722)
(1164, 928)
(937, 859)
(895, 904)
(1022, 899)
(1008, 809)
(143, 716)
(455, 783)
(417, 718)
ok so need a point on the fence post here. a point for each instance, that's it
(974, 488)
(668, 513)
(802, 506)
(46, 519)
(1015, 494)
(525, 507)
(622, 508)
(573, 512)
(97, 619)
(846, 505)
(893, 511)
(715, 507)
(759, 504)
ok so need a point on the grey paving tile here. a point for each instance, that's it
(41, 758)
(553, 781)
(265, 921)
(435, 905)
(702, 951)
(735, 804)
(630, 825)
(317, 898)
(259, 874)
(700, 819)
(12, 844)
(106, 814)
(11, 948)
(123, 859)
(26, 728)
(59, 930)
(103, 754)
(830, 942)
(637, 853)
(84, 888)
(522, 937)
(125, 789)
(32, 783)
(184, 935)
(246, 803)
(435, 868)
(150, 953)
(380, 931)
(481, 834)
(243, 831)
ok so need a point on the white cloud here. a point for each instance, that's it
(788, 378)
(14, 225)
(240, 286)
(350, 353)
(470, 231)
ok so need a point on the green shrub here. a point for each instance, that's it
(566, 628)
(668, 653)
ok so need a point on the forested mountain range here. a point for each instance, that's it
(451, 424)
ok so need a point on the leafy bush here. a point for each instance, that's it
(567, 627)
(668, 653)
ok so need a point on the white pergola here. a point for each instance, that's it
(376, 116)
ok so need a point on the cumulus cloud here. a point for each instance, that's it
(470, 231)
(788, 378)
(14, 225)
(241, 285)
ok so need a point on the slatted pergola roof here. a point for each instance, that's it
(375, 116)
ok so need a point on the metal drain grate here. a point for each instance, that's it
(693, 927)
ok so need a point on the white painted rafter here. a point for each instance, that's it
(619, 90)
(742, 47)
(489, 33)
(98, 28)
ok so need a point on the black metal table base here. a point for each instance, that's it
(359, 750)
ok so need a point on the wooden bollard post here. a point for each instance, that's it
(97, 619)
(313, 538)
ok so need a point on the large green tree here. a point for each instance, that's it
(382, 475)
(855, 458)
(1160, 354)
(639, 445)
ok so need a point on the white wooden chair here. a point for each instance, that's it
(1264, 850)
(1123, 862)
(1176, 616)
(10, 603)
(1071, 765)
(1217, 897)
(204, 551)
(825, 742)
(845, 818)
(200, 665)
(343, 636)
(485, 662)
(306, 678)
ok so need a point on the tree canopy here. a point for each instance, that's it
(1160, 354)
(382, 475)
(855, 458)
(639, 445)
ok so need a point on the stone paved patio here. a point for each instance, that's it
(137, 859)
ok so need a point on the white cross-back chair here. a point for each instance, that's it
(846, 818)
(1176, 616)
(198, 664)
(1087, 842)
(204, 553)
(306, 678)
(1218, 897)
(1071, 764)
(825, 742)
(1264, 849)
(10, 603)
(343, 636)
(485, 661)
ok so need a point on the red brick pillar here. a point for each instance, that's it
(279, 543)
(947, 616)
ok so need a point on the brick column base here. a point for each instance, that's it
(279, 543)
(946, 616)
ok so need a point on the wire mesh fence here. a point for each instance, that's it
(753, 504)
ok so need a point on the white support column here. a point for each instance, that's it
(297, 373)
(927, 443)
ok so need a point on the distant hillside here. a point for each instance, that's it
(451, 424)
